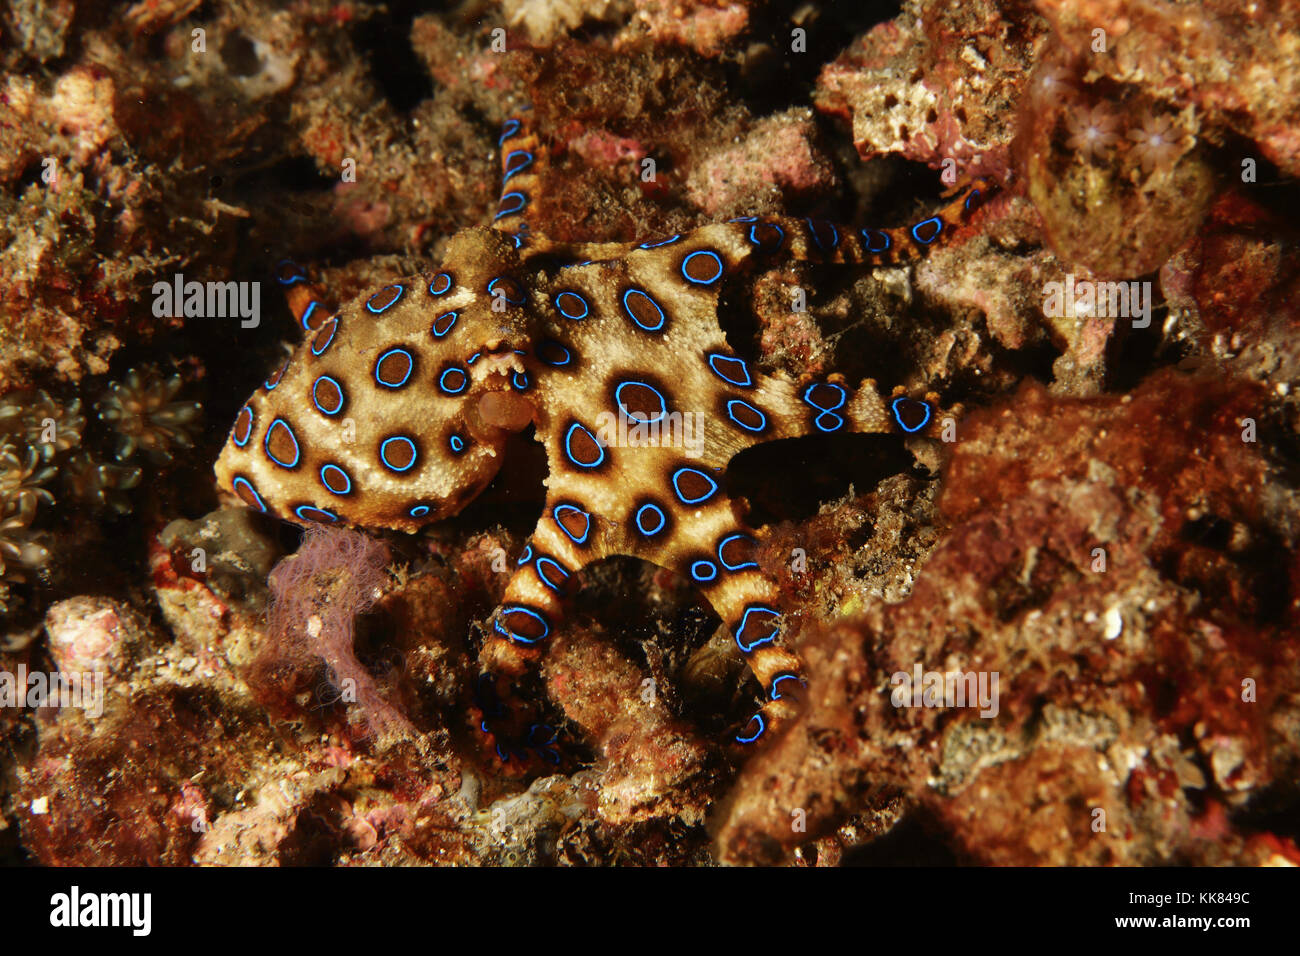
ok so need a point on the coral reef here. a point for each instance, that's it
(1110, 531)
(46, 440)
(1078, 577)
(144, 418)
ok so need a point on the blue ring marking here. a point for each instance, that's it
(704, 571)
(327, 514)
(234, 486)
(509, 128)
(473, 358)
(315, 401)
(568, 356)
(311, 307)
(518, 168)
(586, 531)
(776, 682)
(662, 242)
(410, 367)
(333, 323)
(517, 239)
(780, 235)
(762, 419)
(663, 402)
(519, 381)
(503, 211)
(271, 386)
(453, 316)
(298, 275)
(837, 422)
(491, 285)
(457, 444)
(744, 622)
(418, 511)
(645, 295)
(575, 265)
(575, 314)
(715, 358)
(248, 434)
(893, 407)
(528, 612)
(443, 286)
(564, 574)
(266, 444)
(744, 219)
(549, 740)
(938, 228)
(713, 486)
(843, 396)
(380, 311)
(568, 438)
(544, 749)
(526, 556)
(347, 487)
(717, 259)
(835, 234)
(762, 726)
(640, 524)
(824, 411)
(723, 561)
(383, 453)
(974, 195)
(866, 237)
(464, 380)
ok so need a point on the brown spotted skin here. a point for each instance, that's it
(372, 398)
(393, 414)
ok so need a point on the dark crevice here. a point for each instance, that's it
(297, 174)
(913, 190)
(514, 498)
(907, 844)
(738, 322)
(1133, 353)
(1275, 810)
(1033, 361)
(790, 480)
(385, 43)
(239, 55)
(765, 63)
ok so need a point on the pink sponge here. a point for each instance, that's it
(316, 597)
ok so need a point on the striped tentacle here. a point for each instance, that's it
(520, 168)
(309, 306)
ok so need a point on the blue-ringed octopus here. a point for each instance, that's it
(395, 409)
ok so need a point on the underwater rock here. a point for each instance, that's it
(1077, 573)
(228, 550)
(935, 84)
(650, 762)
(1236, 66)
(1102, 163)
(89, 635)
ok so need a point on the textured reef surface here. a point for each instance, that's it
(1096, 547)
